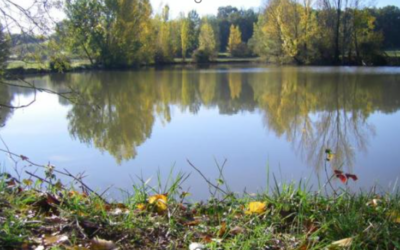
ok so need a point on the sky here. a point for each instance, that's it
(211, 6)
(205, 7)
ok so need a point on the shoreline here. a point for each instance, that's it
(15, 72)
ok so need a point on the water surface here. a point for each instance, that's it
(130, 123)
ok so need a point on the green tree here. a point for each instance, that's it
(111, 33)
(4, 51)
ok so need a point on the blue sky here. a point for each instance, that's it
(211, 6)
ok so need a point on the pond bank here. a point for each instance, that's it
(17, 70)
(22, 69)
(287, 217)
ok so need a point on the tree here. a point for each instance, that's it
(388, 22)
(164, 52)
(111, 33)
(286, 32)
(207, 40)
(235, 39)
(4, 51)
(185, 37)
(194, 28)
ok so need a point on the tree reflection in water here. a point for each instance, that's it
(313, 110)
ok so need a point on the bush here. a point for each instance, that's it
(241, 50)
(59, 63)
(202, 56)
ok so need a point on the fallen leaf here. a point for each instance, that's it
(256, 207)
(55, 240)
(192, 223)
(141, 206)
(99, 244)
(196, 246)
(160, 202)
(343, 242)
(237, 230)
(394, 216)
(222, 229)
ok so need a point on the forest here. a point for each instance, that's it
(127, 33)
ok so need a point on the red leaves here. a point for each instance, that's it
(342, 178)
(345, 177)
(352, 176)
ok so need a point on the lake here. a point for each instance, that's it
(125, 124)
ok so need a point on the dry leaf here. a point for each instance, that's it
(99, 244)
(56, 239)
(237, 230)
(192, 223)
(222, 230)
(343, 242)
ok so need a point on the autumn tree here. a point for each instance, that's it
(207, 40)
(287, 31)
(235, 39)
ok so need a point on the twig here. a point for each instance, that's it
(205, 178)
(66, 173)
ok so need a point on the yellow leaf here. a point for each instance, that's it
(160, 201)
(343, 242)
(256, 207)
(27, 182)
(394, 216)
(141, 206)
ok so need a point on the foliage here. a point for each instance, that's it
(290, 32)
(110, 33)
(388, 22)
(202, 56)
(228, 16)
(207, 42)
(4, 51)
(59, 63)
(235, 39)
(164, 47)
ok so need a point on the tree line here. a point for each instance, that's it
(126, 33)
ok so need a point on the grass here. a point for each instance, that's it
(41, 65)
(33, 214)
(393, 53)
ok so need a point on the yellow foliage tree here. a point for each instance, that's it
(235, 39)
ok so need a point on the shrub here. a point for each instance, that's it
(241, 50)
(202, 56)
(59, 63)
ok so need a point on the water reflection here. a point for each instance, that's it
(311, 108)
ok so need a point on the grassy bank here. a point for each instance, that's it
(46, 213)
(26, 68)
